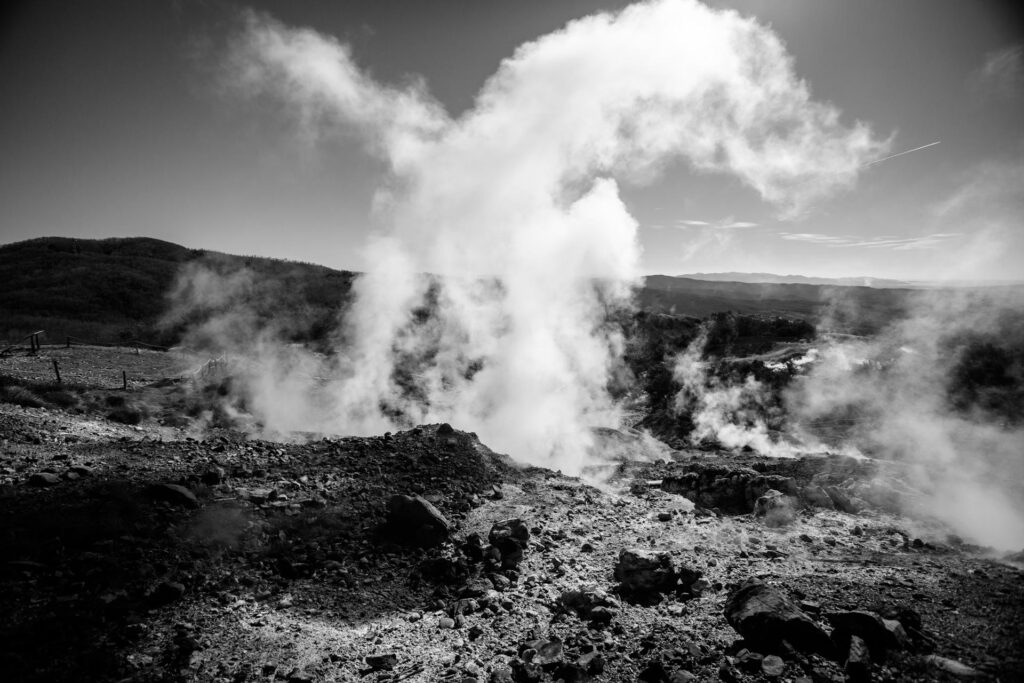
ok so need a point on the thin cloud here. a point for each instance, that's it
(882, 242)
(724, 224)
(1002, 74)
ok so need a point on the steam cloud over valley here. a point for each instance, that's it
(504, 272)
(507, 245)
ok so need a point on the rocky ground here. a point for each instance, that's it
(149, 551)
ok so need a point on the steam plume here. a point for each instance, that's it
(515, 205)
(933, 393)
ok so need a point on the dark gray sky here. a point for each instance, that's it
(115, 122)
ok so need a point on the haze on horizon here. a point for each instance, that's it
(118, 121)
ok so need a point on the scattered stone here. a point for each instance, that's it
(549, 652)
(82, 470)
(589, 603)
(412, 520)
(445, 430)
(773, 666)
(174, 494)
(382, 661)
(446, 622)
(643, 572)
(664, 516)
(952, 667)
(43, 479)
(767, 619)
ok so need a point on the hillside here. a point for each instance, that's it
(116, 290)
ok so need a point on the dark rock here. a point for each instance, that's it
(815, 496)
(728, 672)
(166, 593)
(643, 572)
(586, 601)
(382, 661)
(412, 520)
(879, 636)
(526, 672)
(445, 430)
(43, 479)
(592, 663)
(654, 672)
(82, 470)
(841, 500)
(510, 538)
(766, 619)
(858, 661)
(174, 494)
(213, 476)
(749, 661)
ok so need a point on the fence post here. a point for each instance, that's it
(56, 370)
(124, 380)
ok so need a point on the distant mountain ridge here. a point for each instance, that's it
(771, 278)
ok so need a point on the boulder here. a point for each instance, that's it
(411, 520)
(768, 620)
(645, 572)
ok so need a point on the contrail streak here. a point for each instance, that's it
(899, 154)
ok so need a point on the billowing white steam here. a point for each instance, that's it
(515, 204)
(894, 392)
(732, 415)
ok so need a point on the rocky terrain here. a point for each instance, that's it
(138, 547)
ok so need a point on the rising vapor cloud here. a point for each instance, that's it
(515, 204)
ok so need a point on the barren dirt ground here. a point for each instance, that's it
(154, 552)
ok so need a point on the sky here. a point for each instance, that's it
(133, 118)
